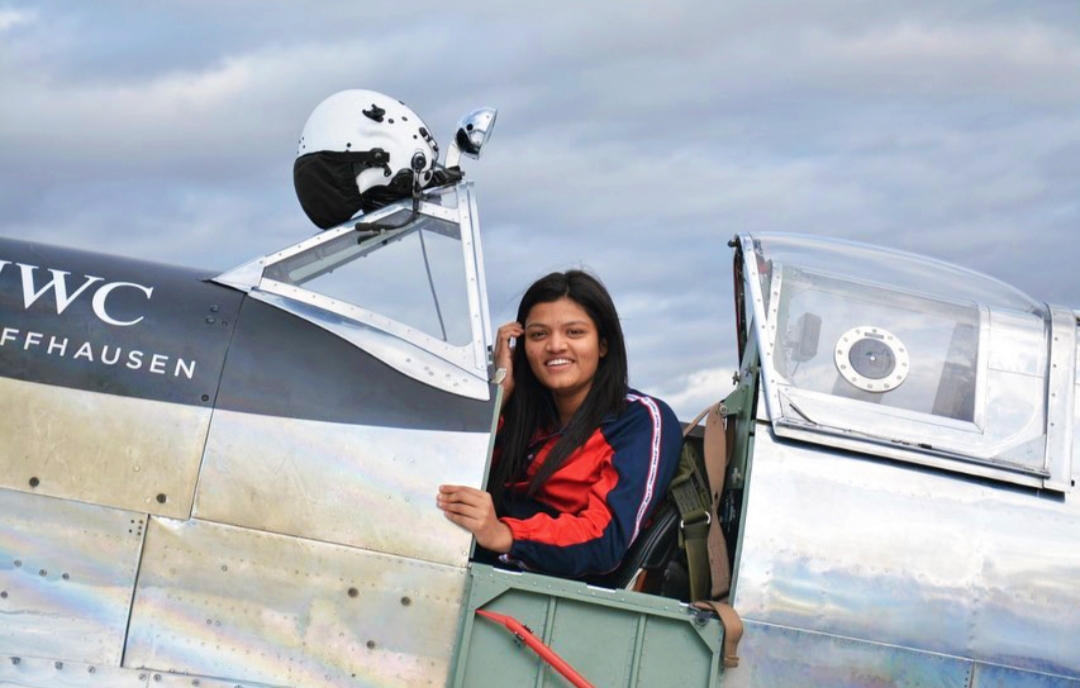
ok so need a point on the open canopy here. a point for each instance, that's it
(909, 357)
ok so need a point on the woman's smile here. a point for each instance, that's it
(563, 348)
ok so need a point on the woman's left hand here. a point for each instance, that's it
(474, 511)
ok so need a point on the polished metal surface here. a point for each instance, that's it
(67, 573)
(474, 130)
(160, 679)
(18, 671)
(470, 216)
(475, 282)
(336, 252)
(778, 657)
(235, 603)
(369, 487)
(243, 277)
(989, 676)
(37, 672)
(94, 447)
(316, 240)
(853, 546)
(1061, 388)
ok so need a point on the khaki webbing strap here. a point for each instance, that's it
(718, 443)
(733, 630)
(689, 489)
(696, 543)
(716, 460)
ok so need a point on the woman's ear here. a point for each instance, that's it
(603, 348)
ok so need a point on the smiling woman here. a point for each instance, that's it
(581, 460)
(564, 352)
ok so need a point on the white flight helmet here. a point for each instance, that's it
(360, 150)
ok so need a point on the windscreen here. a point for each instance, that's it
(414, 274)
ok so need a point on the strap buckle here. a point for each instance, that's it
(708, 520)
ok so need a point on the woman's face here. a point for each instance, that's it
(563, 348)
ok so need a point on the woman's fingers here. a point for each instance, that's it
(473, 510)
(466, 501)
(503, 351)
(462, 493)
(463, 510)
(510, 329)
(504, 355)
(465, 521)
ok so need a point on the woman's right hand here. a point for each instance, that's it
(473, 510)
(504, 355)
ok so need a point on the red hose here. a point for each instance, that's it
(538, 646)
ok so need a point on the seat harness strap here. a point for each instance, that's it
(717, 442)
(706, 549)
(733, 629)
(692, 495)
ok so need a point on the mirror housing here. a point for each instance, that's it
(472, 134)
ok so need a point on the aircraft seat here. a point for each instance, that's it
(650, 552)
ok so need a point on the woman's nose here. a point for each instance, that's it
(556, 342)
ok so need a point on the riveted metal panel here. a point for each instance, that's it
(697, 663)
(614, 638)
(777, 657)
(1060, 404)
(97, 448)
(67, 572)
(161, 679)
(365, 486)
(240, 604)
(35, 672)
(1076, 413)
(988, 676)
(912, 557)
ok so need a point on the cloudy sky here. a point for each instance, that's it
(634, 138)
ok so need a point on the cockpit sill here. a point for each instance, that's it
(460, 367)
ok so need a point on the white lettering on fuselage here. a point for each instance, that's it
(58, 285)
(32, 339)
(104, 354)
(66, 289)
(98, 302)
(53, 345)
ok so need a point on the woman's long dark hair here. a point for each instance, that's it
(532, 408)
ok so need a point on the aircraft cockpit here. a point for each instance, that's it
(910, 358)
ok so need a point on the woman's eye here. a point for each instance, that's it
(536, 335)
